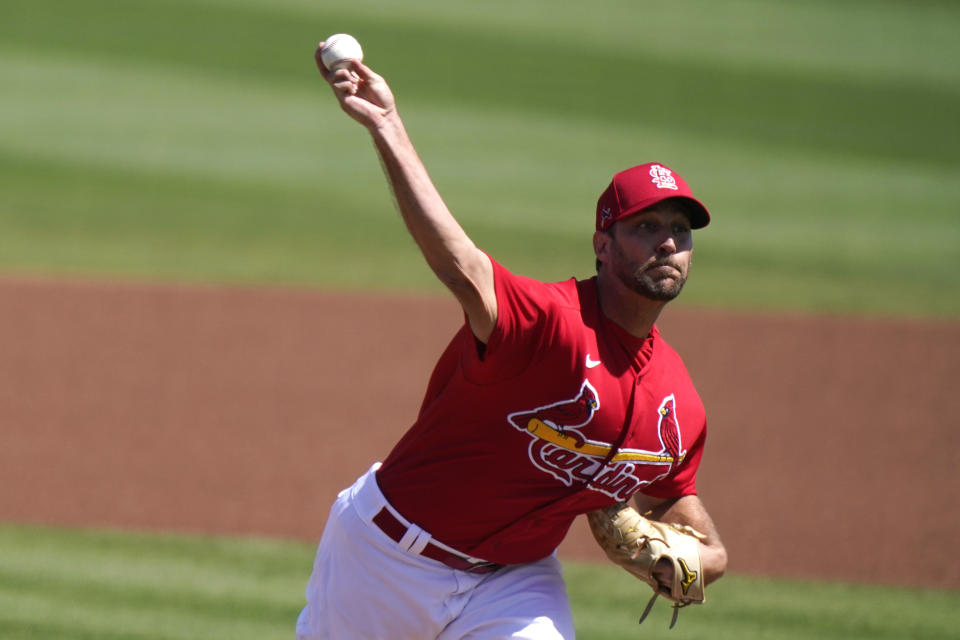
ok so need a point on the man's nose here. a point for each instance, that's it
(668, 246)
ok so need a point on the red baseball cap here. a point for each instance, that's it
(637, 188)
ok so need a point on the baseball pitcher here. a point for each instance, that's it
(553, 400)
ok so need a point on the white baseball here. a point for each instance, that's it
(338, 49)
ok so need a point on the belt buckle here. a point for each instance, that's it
(483, 567)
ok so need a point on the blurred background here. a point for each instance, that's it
(200, 260)
(194, 141)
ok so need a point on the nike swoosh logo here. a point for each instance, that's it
(592, 363)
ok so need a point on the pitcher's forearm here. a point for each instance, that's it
(445, 245)
(456, 261)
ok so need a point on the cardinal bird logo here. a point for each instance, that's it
(560, 448)
(561, 418)
(668, 428)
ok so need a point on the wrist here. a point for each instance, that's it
(388, 128)
(714, 562)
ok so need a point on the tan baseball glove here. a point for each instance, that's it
(638, 544)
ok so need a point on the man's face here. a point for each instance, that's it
(650, 252)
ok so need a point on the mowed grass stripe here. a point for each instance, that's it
(891, 39)
(117, 222)
(115, 114)
(54, 619)
(114, 216)
(148, 586)
(76, 584)
(774, 241)
(159, 121)
(607, 602)
(147, 225)
(150, 163)
(783, 107)
(171, 613)
(212, 563)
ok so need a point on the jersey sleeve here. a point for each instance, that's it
(683, 480)
(526, 318)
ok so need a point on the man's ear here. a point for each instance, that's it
(601, 245)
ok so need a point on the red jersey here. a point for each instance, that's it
(563, 413)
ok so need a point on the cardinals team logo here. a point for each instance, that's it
(663, 177)
(560, 447)
(559, 421)
(669, 430)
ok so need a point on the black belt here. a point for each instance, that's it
(389, 524)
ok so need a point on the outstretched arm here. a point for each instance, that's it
(456, 261)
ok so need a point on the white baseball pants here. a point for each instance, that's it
(365, 585)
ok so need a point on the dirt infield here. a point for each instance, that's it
(245, 410)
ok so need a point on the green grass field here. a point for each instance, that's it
(79, 585)
(193, 141)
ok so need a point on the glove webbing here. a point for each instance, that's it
(676, 610)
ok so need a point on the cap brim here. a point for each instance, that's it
(698, 214)
(693, 208)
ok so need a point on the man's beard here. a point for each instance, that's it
(640, 281)
(663, 290)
